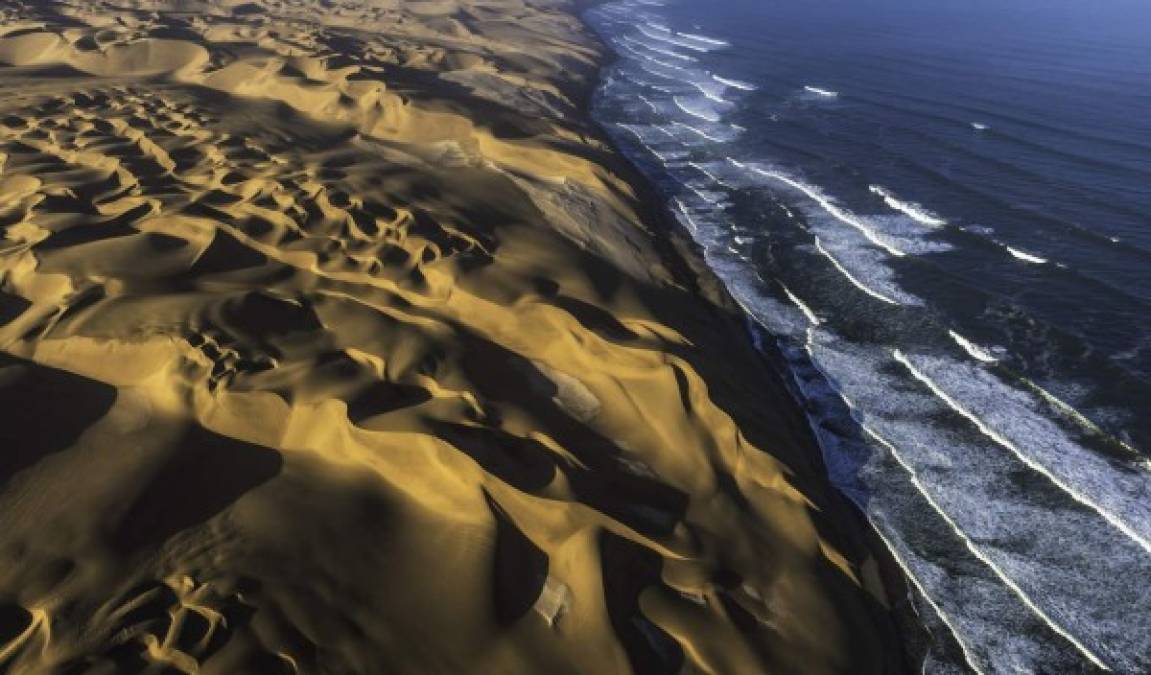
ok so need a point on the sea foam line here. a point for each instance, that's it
(826, 93)
(1082, 420)
(968, 657)
(974, 350)
(811, 316)
(704, 39)
(1031, 463)
(699, 132)
(669, 39)
(710, 93)
(687, 217)
(852, 279)
(702, 169)
(660, 50)
(836, 212)
(913, 211)
(856, 413)
(705, 115)
(1025, 256)
(736, 84)
(976, 551)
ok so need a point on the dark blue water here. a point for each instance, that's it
(941, 213)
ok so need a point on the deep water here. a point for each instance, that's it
(941, 211)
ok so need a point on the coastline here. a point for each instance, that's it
(526, 371)
(912, 636)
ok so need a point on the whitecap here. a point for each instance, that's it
(1009, 418)
(697, 108)
(701, 133)
(736, 84)
(910, 209)
(825, 202)
(826, 93)
(1025, 256)
(850, 277)
(705, 39)
(974, 350)
(660, 50)
(670, 39)
(803, 307)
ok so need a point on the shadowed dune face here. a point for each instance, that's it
(333, 340)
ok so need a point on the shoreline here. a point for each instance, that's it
(415, 370)
(914, 636)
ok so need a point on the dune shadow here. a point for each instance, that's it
(204, 475)
(628, 569)
(43, 411)
(11, 307)
(14, 620)
(519, 462)
(519, 568)
(602, 482)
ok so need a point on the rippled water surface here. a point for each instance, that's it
(942, 213)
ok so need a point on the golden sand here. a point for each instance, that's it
(335, 340)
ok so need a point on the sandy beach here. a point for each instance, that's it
(335, 338)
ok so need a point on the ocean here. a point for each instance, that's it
(939, 213)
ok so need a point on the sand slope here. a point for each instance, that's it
(335, 341)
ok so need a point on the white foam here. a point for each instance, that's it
(978, 553)
(968, 655)
(1063, 462)
(697, 108)
(686, 215)
(1045, 549)
(1082, 420)
(712, 198)
(645, 65)
(910, 209)
(671, 39)
(825, 202)
(811, 316)
(660, 50)
(713, 92)
(661, 62)
(1025, 256)
(736, 84)
(702, 169)
(974, 350)
(826, 93)
(701, 133)
(704, 39)
(850, 277)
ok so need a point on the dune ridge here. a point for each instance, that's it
(334, 339)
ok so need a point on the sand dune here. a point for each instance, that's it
(335, 340)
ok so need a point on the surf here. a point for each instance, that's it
(827, 205)
(735, 84)
(826, 93)
(910, 209)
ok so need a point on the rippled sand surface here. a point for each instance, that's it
(333, 339)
